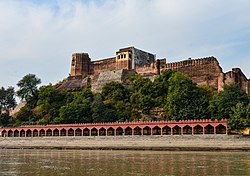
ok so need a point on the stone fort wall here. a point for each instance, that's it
(203, 71)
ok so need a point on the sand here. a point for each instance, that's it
(160, 143)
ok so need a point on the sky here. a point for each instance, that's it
(39, 36)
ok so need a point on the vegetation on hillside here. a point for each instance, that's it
(170, 96)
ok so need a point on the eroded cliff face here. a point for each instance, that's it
(203, 71)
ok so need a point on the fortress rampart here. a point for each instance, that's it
(203, 71)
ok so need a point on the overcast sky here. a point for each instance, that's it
(40, 36)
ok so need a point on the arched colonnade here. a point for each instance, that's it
(189, 127)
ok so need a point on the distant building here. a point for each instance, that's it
(127, 61)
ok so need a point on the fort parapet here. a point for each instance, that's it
(127, 61)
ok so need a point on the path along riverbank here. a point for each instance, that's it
(158, 143)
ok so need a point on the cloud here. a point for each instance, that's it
(40, 36)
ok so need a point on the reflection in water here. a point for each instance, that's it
(77, 162)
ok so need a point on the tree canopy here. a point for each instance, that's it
(222, 103)
(28, 86)
(185, 100)
(7, 97)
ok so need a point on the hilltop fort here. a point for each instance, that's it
(128, 61)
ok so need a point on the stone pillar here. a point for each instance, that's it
(151, 131)
(106, 132)
(161, 132)
(142, 131)
(192, 130)
(214, 130)
(132, 131)
(171, 132)
(203, 130)
(181, 130)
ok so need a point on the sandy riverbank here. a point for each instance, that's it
(168, 143)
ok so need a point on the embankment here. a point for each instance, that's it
(160, 143)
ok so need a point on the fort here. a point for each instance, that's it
(130, 60)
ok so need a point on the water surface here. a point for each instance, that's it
(90, 162)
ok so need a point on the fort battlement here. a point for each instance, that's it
(203, 71)
(192, 62)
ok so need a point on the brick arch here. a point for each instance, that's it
(86, 132)
(176, 130)
(71, 132)
(78, 132)
(41, 132)
(49, 132)
(35, 133)
(10, 133)
(4, 133)
(198, 129)
(22, 133)
(166, 130)
(221, 129)
(28, 133)
(146, 130)
(137, 130)
(187, 129)
(56, 132)
(156, 130)
(119, 131)
(63, 132)
(111, 131)
(16, 133)
(209, 129)
(94, 132)
(102, 131)
(128, 131)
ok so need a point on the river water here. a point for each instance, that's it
(90, 162)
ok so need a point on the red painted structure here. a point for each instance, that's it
(183, 127)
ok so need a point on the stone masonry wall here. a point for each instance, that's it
(97, 67)
(203, 71)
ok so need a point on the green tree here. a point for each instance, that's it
(222, 103)
(115, 91)
(5, 120)
(142, 91)
(80, 97)
(78, 110)
(28, 86)
(161, 84)
(50, 101)
(185, 100)
(117, 96)
(76, 113)
(7, 98)
(102, 112)
(239, 117)
(24, 116)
